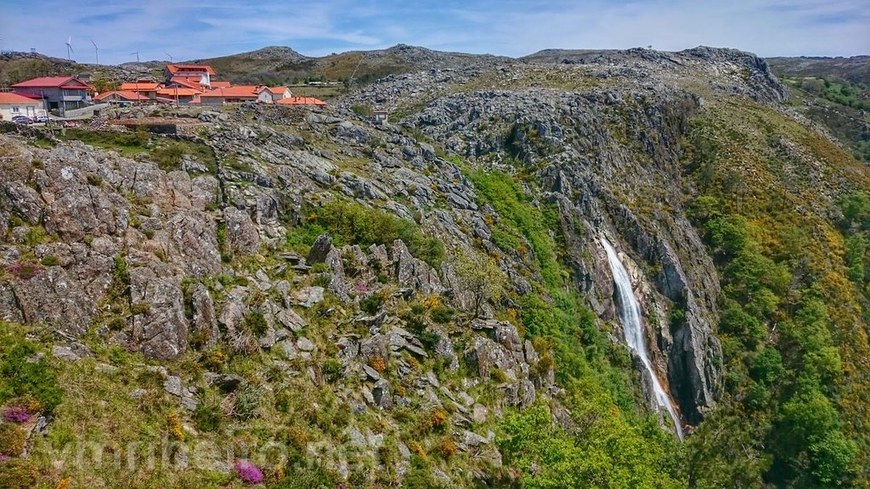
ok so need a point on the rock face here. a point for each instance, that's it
(196, 257)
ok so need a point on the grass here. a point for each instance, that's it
(352, 223)
(167, 153)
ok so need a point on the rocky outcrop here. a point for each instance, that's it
(200, 256)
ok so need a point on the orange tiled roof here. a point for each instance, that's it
(220, 84)
(140, 87)
(240, 91)
(181, 92)
(14, 98)
(302, 101)
(186, 81)
(125, 94)
(175, 68)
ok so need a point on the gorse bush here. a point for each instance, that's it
(351, 223)
(12, 440)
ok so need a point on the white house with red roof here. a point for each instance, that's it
(12, 104)
(271, 95)
(199, 74)
(56, 92)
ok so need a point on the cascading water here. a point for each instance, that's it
(632, 327)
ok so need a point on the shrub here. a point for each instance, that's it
(417, 449)
(379, 364)
(208, 416)
(255, 322)
(447, 447)
(298, 437)
(362, 110)
(173, 425)
(372, 303)
(95, 180)
(214, 359)
(50, 261)
(248, 472)
(332, 370)
(442, 314)
(435, 421)
(12, 440)
(354, 223)
(247, 402)
(140, 308)
(18, 474)
(16, 414)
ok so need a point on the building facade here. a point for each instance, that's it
(56, 92)
(12, 104)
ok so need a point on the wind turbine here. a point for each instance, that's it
(96, 51)
(69, 49)
(170, 57)
(137, 55)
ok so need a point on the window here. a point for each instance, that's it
(15, 110)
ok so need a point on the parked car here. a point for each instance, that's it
(21, 119)
(41, 119)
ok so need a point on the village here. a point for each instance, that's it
(39, 100)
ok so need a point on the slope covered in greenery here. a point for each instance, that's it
(783, 211)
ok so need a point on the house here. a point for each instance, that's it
(202, 73)
(12, 104)
(119, 96)
(271, 95)
(310, 101)
(57, 92)
(231, 95)
(181, 95)
(380, 116)
(185, 82)
(146, 89)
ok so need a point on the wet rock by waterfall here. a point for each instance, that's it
(633, 331)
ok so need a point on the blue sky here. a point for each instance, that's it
(189, 29)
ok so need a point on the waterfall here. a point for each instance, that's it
(632, 328)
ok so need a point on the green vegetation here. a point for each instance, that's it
(481, 276)
(362, 110)
(791, 327)
(606, 452)
(166, 152)
(840, 105)
(351, 223)
(21, 377)
(587, 365)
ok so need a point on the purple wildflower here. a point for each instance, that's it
(248, 472)
(16, 414)
(4, 458)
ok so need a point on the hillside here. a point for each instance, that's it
(835, 92)
(279, 65)
(300, 299)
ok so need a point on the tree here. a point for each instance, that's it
(481, 276)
